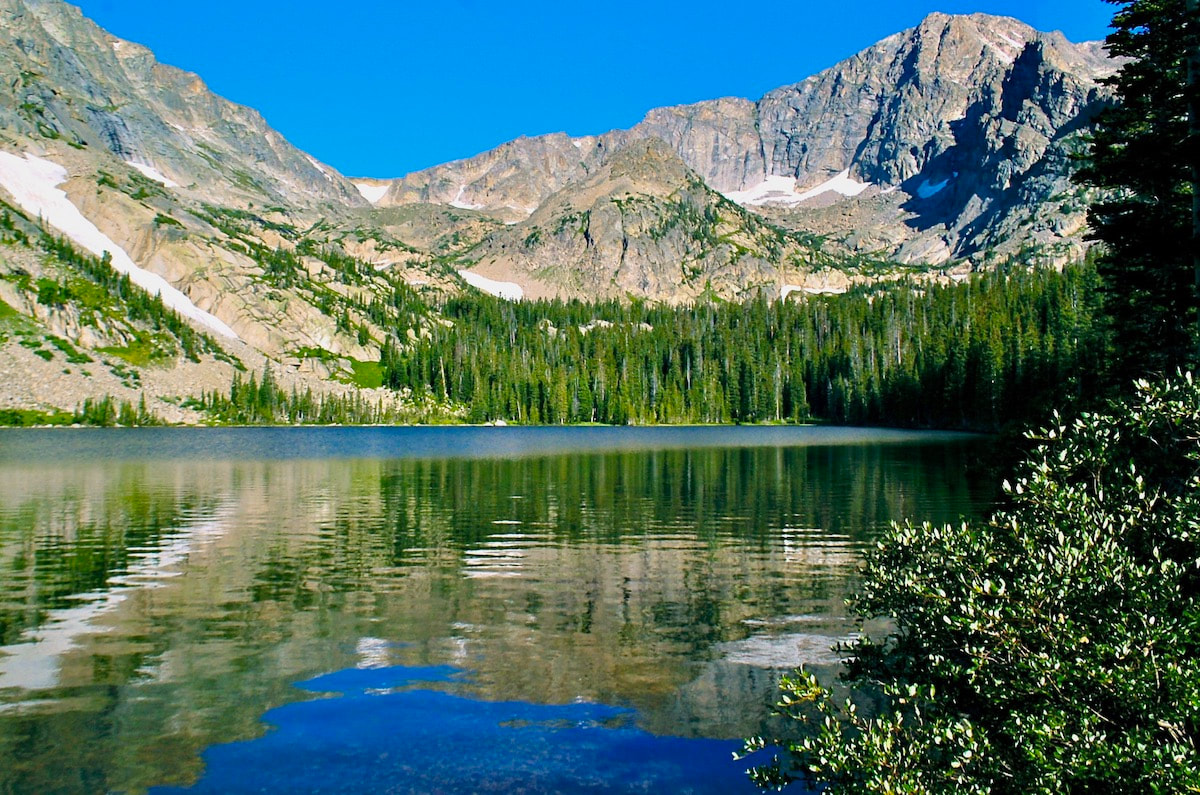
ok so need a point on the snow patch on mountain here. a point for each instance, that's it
(464, 205)
(773, 189)
(33, 182)
(783, 190)
(317, 165)
(997, 51)
(1018, 44)
(372, 193)
(153, 173)
(509, 291)
(843, 183)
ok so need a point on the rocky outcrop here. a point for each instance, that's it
(719, 140)
(510, 181)
(950, 141)
(644, 224)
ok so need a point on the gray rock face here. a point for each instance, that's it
(718, 139)
(983, 107)
(512, 179)
(64, 77)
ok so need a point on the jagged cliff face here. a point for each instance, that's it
(952, 140)
(65, 78)
(909, 105)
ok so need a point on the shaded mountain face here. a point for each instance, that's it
(64, 78)
(949, 141)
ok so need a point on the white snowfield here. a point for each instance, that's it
(324, 172)
(996, 50)
(1016, 44)
(788, 289)
(33, 183)
(509, 291)
(462, 205)
(153, 173)
(783, 190)
(372, 193)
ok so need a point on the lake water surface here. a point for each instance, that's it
(430, 609)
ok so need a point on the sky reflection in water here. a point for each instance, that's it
(385, 731)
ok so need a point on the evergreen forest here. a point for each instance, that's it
(998, 348)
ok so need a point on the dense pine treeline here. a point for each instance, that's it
(261, 401)
(102, 412)
(998, 348)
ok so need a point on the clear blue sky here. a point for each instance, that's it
(384, 87)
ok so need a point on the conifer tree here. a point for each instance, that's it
(1146, 157)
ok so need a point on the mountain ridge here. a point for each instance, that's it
(893, 115)
(71, 52)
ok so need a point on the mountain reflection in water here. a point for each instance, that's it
(154, 606)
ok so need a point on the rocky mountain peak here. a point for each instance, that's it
(646, 165)
(644, 224)
(952, 114)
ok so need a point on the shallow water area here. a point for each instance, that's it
(407, 609)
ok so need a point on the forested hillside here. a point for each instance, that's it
(996, 348)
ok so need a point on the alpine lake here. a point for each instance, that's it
(432, 609)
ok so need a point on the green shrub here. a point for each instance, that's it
(1055, 648)
(27, 418)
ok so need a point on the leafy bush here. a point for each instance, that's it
(27, 418)
(1055, 648)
